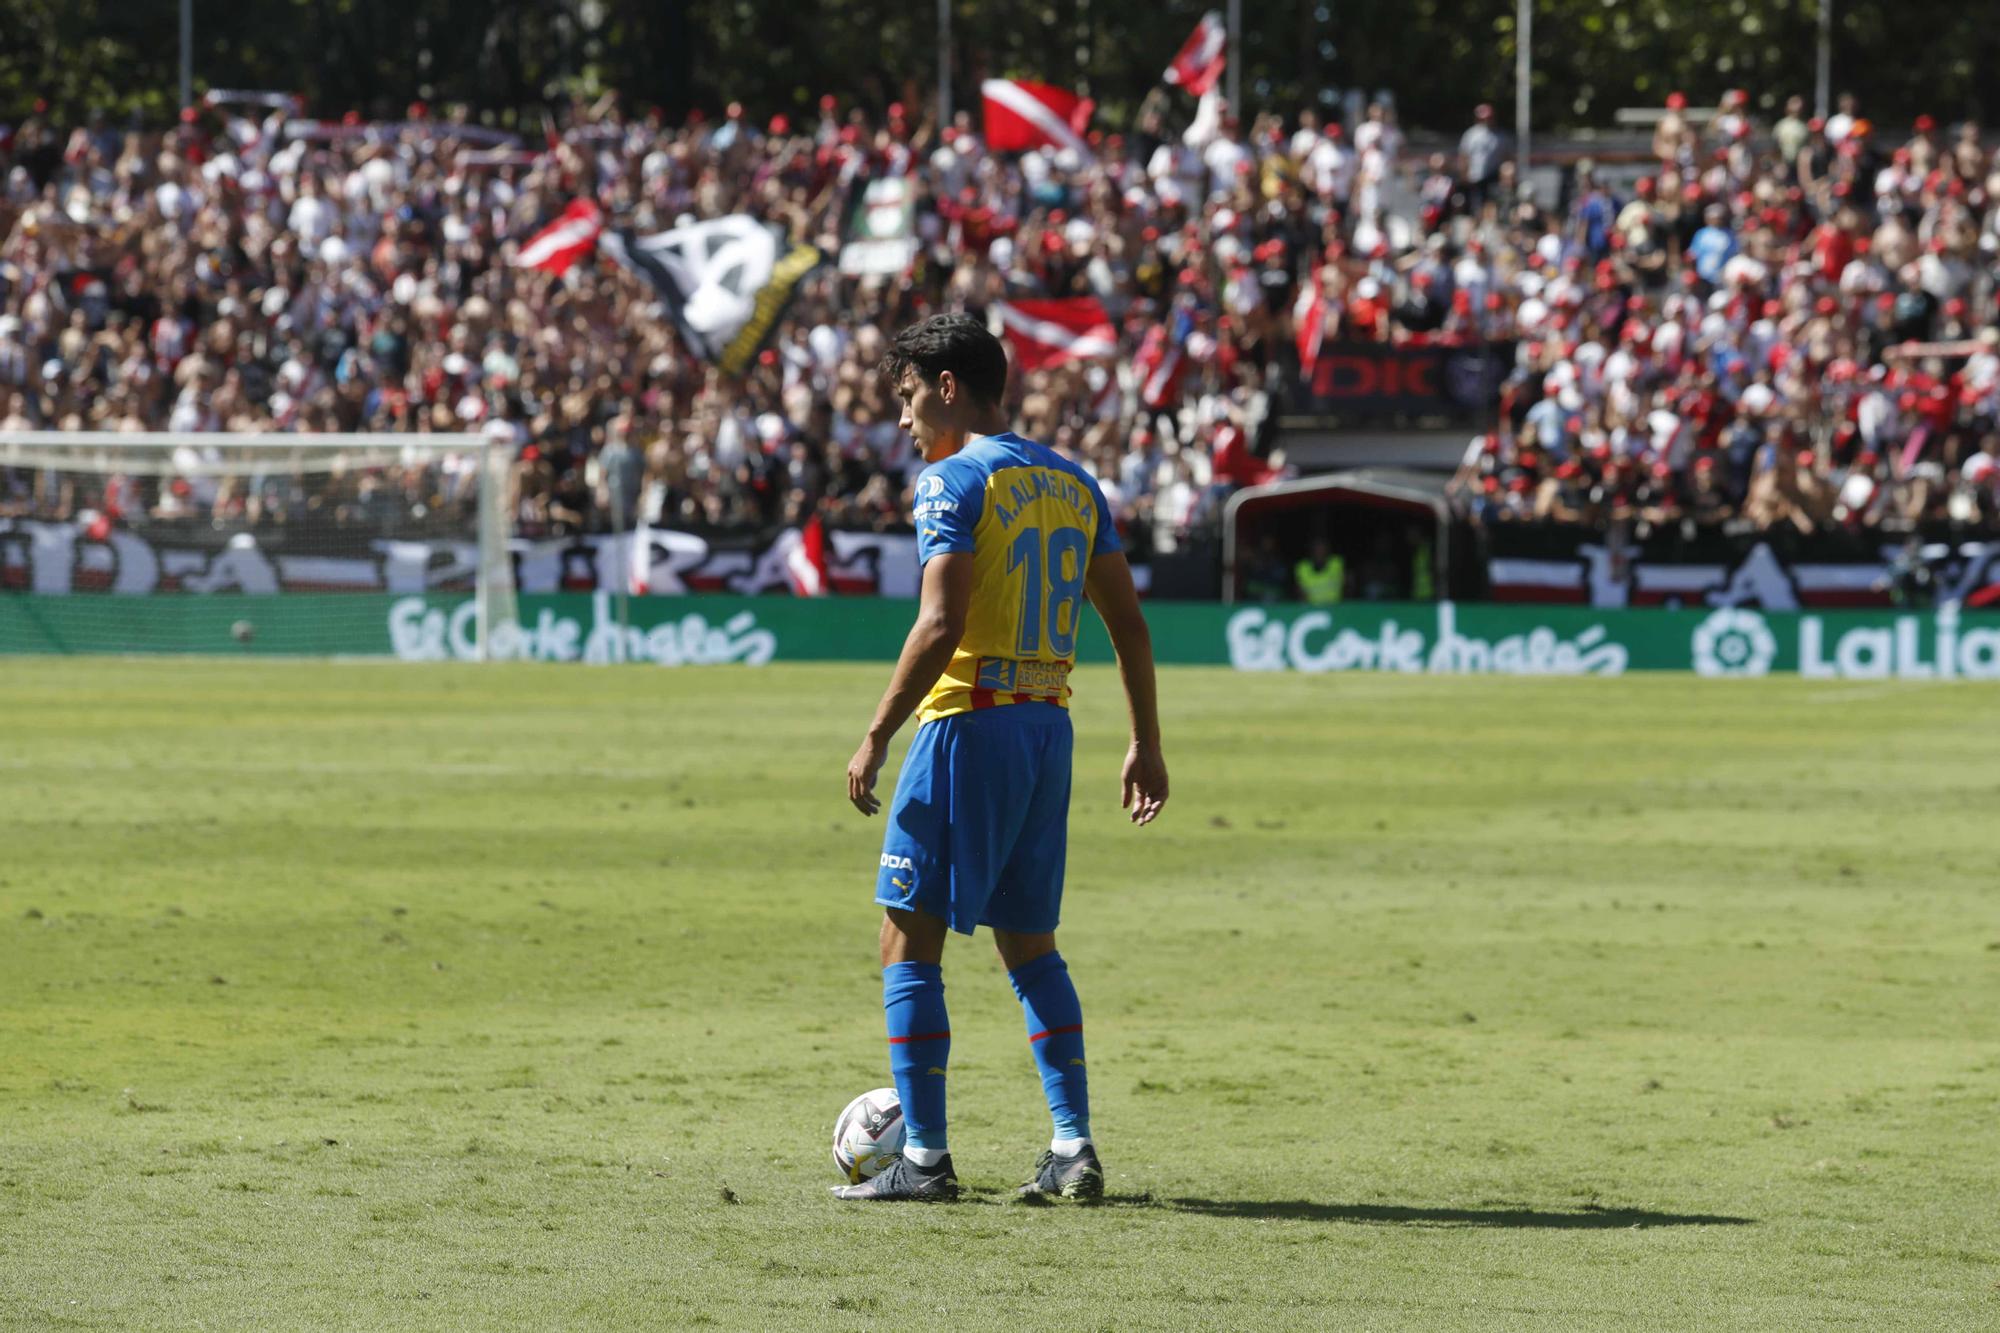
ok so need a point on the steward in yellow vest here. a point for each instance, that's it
(1322, 577)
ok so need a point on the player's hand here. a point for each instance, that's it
(1143, 784)
(861, 771)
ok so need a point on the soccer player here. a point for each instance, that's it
(1012, 538)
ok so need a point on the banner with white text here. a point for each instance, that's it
(1442, 638)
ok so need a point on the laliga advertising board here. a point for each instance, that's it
(1731, 641)
(1439, 638)
(719, 629)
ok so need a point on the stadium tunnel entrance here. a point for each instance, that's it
(1390, 528)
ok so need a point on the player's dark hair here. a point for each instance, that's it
(958, 343)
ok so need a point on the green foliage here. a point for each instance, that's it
(1439, 57)
(371, 997)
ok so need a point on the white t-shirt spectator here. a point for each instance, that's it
(731, 440)
(1329, 169)
(1944, 276)
(1369, 178)
(1471, 276)
(1175, 162)
(1480, 146)
(203, 487)
(1982, 377)
(1377, 134)
(1742, 270)
(1875, 415)
(1669, 437)
(828, 344)
(311, 219)
(1589, 361)
(1862, 277)
(1621, 367)
(954, 173)
(176, 203)
(1224, 158)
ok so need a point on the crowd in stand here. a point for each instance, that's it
(1784, 323)
(1791, 329)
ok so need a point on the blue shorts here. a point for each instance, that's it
(980, 823)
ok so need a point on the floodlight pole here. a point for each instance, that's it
(1823, 66)
(1236, 58)
(187, 54)
(624, 539)
(944, 64)
(1524, 37)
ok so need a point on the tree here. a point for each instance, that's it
(506, 58)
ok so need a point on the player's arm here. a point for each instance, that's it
(1142, 785)
(946, 598)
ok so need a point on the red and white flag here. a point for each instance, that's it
(1021, 115)
(805, 563)
(1309, 323)
(1162, 362)
(1048, 333)
(1199, 63)
(569, 238)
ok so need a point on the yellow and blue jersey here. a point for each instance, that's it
(1033, 522)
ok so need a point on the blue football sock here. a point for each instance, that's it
(1055, 1035)
(919, 1047)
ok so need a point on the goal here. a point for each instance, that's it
(218, 543)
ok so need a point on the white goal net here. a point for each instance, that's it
(299, 544)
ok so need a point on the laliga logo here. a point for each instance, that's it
(930, 488)
(1734, 642)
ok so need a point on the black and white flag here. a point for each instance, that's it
(725, 282)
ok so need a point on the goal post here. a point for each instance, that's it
(247, 543)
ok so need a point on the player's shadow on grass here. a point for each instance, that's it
(1587, 1218)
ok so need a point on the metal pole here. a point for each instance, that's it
(488, 519)
(944, 64)
(1236, 58)
(1524, 38)
(1823, 67)
(621, 542)
(187, 53)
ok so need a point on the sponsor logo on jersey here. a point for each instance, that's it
(896, 862)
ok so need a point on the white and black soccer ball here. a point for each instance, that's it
(869, 1135)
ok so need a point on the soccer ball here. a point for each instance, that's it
(869, 1134)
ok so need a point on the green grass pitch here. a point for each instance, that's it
(341, 996)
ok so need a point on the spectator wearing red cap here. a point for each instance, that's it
(348, 318)
(1674, 140)
(1731, 121)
